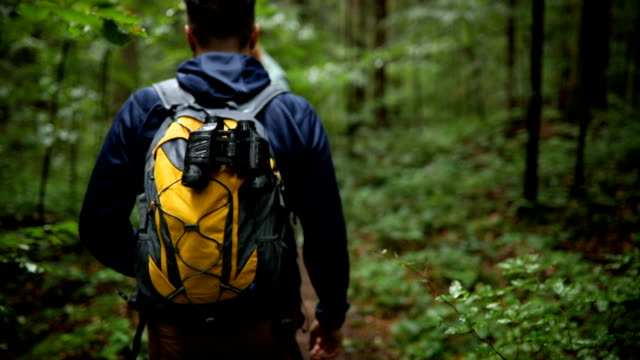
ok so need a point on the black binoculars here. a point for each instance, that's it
(241, 149)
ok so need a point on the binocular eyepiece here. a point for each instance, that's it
(242, 149)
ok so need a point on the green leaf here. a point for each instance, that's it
(112, 33)
(75, 31)
(31, 267)
(456, 290)
(118, 16)
(137, 30)
(32, 12)
(558, 287)
(532, 268)
(602, 305)
(455, 330)
(72, 15)
(70, 227)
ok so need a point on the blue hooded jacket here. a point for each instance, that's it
(301, 149)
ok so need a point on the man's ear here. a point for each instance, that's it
(191, 39)
(255, 35)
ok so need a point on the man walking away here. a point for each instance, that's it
(221, 35)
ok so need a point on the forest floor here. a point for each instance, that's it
(366, 336)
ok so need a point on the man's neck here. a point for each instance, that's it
(223, 45)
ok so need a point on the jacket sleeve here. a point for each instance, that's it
(325, 247)
(312, 192)
(116, 180)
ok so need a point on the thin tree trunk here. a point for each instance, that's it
(131, 64)
(73, 162)
(566, 50)
(511, 58)
(355, 91)
(580, 111)
(379, 77)
(633, 73)
(535, 103)
(600, 30)
(104, 86)
(53, 119)
(584, 115)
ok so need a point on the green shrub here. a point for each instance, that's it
(58, 304)
(552, 305)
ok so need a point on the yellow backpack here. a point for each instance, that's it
(213, 220)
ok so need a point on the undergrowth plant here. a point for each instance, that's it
(554, 305)
(59, 304)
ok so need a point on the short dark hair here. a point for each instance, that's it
(221, 19)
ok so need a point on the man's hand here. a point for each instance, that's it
(324, 344)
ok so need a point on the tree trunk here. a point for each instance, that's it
(580, 111)
(104, 111)
(590, 79)
(633, 74)
(599, 27)
(566, 53)
(379, 77)
(511, 57)
(73, 161)
(535, 103)
(130, 62)
(54, 104)
(355, 90)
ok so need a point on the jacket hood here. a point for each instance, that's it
(216, 77)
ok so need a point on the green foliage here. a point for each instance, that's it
(91, 329)
(546, 306)
(87, 17)
(36, 243)
(52, 49)
(58, 304)
(383, 284)
(554, 306)
(440, 188)
(410, 192)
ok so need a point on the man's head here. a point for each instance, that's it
(221, 25)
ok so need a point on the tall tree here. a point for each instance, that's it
(379, 77)
(129, 60)
(633, 53)
(534, 111)
(54, 105)
(103, 111)
(354, 25)
(597, 43)
(590, 77)
(511, 56)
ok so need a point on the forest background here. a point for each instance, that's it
(488, 155)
